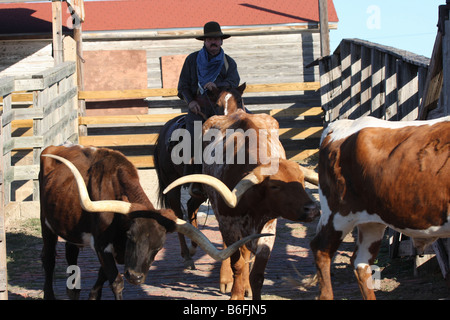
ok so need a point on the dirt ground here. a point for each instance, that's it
(167, 279)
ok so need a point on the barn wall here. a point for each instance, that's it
(260, 59)
(25, 57)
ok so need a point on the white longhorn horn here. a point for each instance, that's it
(310, 175)
(87, 204)
(231, 198)
(195, 235)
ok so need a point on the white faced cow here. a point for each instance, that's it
(375, 173)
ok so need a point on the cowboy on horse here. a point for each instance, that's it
(205, 71)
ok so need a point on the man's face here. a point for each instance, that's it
(213, 45)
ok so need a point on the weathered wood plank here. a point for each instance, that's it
(150, 139)
(366, 83)
(346, 82)
(22, 143)
(404, 55)
(149, 118)
(119, 140)
(408, 91)
(434, 80)
(279, 87)
(46, 78)
(169, 92)
(300, 133)
(22, 114)
(126, 94)
(6, 86)
(144, 118)
(353, 111)
(148, 161)
(390, 84)
(377, 83)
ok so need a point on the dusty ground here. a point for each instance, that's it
(291, 260)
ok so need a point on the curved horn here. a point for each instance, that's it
(231, 198)
(116, 206)
(195, 235)
(310, 175)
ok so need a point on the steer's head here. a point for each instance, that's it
(145, 238)
(278, 194)
(283, 194)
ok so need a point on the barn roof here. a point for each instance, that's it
(18, 18)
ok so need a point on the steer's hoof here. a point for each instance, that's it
(226, 287)
(189, 264)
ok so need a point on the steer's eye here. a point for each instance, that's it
(275, 187)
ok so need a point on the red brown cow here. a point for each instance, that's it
(121, 224)
(265, 186)
(375, 173)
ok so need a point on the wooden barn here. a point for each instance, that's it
(145, 41)
(128, 49)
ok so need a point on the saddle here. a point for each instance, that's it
(178, 124)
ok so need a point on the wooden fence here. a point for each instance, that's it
(38, 111)
(136, 135)
(363, 78)
(6, 87)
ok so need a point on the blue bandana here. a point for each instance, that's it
(208, 70)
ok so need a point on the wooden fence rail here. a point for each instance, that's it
(364, 78)
(170, 92)
(141, 131)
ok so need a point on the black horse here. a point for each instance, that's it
(223, 101)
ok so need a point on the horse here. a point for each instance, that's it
(224, 101)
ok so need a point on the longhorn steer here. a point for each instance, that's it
(375, 173)
(263, 191)
(127, 230)
(223, 101)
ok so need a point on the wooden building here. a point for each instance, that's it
(142, 44)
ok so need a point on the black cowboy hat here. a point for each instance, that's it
(212, 30)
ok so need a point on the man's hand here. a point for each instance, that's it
(209, 86)
(194, 107)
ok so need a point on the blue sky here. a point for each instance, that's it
(403, 24)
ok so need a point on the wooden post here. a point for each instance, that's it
(446, 60)
(433, 84)
(57, 31)
(3, 273)
(5, 89)
(324, 30)
(77, 34)
(77, 12)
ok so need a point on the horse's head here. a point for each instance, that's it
(229, 100)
